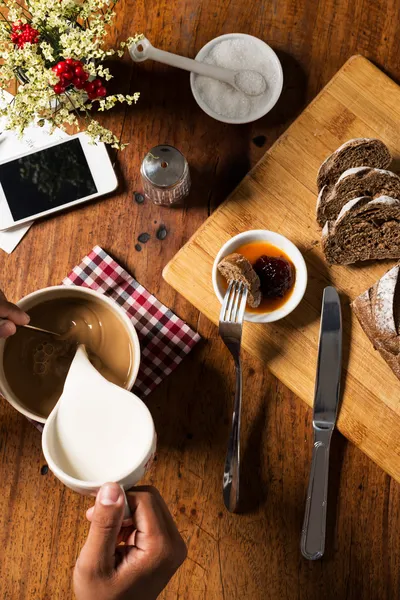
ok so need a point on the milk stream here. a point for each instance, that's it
(100, 431)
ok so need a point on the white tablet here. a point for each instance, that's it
(63, 174)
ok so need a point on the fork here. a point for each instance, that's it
(230, 330)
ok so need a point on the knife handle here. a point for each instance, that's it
(313, 532)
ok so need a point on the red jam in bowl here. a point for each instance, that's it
(276, 271)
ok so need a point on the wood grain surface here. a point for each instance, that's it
(254, 555)
(280, 194)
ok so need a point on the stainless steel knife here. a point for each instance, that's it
(326, 402)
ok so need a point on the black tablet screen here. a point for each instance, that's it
(46, 179)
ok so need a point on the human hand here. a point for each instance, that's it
(138, 570)
(10, 317)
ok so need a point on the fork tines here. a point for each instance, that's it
(234, 303)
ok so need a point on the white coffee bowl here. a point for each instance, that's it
(64, 291)
(276, 89)
(291, 251)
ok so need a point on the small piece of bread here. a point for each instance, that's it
(355, 183)
(237, 267)
(377, 309)
(354, 153)
(364, 230)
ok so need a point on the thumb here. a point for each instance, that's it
(98, 553)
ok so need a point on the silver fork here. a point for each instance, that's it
(230, 330)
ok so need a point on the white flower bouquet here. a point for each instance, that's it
(55, 50)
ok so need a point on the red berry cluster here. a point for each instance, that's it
(23, 33)
(71, 72)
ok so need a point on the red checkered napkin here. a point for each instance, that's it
(164, 338)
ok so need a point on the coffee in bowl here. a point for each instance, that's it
(35, 365)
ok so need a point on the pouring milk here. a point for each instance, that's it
(97, 432)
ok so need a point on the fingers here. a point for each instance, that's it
(125, 523)
(156, 534)
(151, 498)
(147, 514)
(127, 532)
(11, 312)
(154, 549)
(98, 554)
(7, 328)
(151, 521)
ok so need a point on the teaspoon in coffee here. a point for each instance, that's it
(248, 81)
(33, 328)
(41, 330)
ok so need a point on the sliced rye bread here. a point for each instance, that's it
(377, 310)
(237, 267)
(358, 152)
(355, 183)
(364, 230)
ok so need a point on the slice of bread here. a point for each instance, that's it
(323, 195)
(354, 153)
(236, 267)
(365, 229)
(377, 310)
(354, 183)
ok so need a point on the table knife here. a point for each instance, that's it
(326, 402)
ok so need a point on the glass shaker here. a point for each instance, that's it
(165, 175)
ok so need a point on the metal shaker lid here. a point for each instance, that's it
(164, 166)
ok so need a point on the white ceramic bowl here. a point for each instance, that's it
(64, 291)
(281, 242)
(264, 108)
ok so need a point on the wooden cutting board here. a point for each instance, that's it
(280, 194)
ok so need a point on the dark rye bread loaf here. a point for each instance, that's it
(377, 309)
(365, 229)
(359, 152)
(355, 183)
(237, 267)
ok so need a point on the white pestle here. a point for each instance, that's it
(97, 432)
(247, 81)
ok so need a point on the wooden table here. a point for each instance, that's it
(255, 555)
